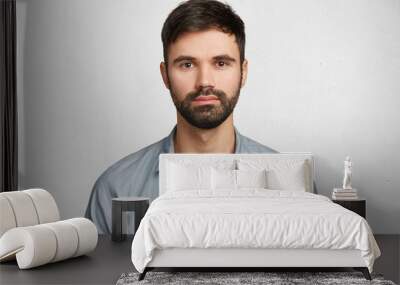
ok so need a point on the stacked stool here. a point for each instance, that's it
(31, 231)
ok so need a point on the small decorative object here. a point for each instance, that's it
(347, 192)
(347, 173)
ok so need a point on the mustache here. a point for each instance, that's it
(205, 92)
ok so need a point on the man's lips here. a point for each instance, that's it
(202, 100)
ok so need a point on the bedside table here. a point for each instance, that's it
(139, 205)
(358, 206)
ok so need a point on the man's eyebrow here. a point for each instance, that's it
(182, 58)
(224, 57)
(191, 58)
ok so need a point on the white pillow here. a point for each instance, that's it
(223, 179)
(283, 174)
(236, 179)
(290, 179)
(184, 177)
(251, 178)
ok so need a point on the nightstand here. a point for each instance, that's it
(139, 205)
(358, 206)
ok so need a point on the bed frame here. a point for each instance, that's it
(236, 259)
(250, 259)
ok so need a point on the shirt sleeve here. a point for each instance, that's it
(99, 206)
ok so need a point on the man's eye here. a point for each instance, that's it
(222, 63)
(186, 65)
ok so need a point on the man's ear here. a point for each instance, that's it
(163, 70)
(244, 72)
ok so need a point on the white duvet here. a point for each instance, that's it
(251, 218)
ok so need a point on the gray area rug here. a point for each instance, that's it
(275, 278)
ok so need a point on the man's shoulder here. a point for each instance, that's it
(249, 145)
(144, 159)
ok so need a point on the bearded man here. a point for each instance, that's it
(204, 69)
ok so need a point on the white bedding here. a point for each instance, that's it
(250, 218)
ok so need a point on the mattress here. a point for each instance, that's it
(250, 219)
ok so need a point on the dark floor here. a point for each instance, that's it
(110, 260)
(389, 262)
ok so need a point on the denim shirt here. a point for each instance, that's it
(137, 175)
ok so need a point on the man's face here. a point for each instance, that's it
(204, 76)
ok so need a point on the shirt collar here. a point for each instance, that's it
(168, 143)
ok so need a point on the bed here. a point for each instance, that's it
(247, 211)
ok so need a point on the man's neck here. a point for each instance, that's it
(189, 139)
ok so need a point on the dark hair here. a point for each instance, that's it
(200, 15)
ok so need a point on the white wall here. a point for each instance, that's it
(324, 77)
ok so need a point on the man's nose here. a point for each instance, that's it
(205, 77)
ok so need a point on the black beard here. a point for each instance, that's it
(206, 116)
